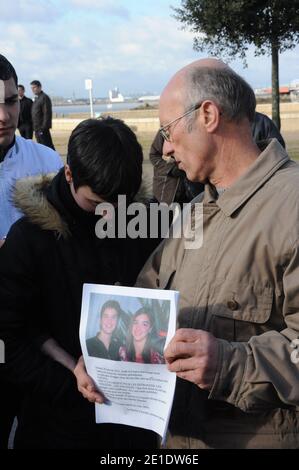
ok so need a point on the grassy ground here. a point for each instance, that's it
(292, 143)
(125, 114)
(145, 138)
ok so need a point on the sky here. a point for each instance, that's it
(135, 45)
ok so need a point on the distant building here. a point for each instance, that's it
(294, 88)
(149, 98)
(292, 91)
(264, 92)
(115, 96)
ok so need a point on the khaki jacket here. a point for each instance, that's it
(242, 285)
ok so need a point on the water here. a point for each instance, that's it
(97, 108)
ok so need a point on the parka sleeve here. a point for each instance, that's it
(264, 373)
(20, 307)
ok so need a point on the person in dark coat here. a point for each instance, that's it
(48, 255)
(41, 115)
(25, 125)
(169, 182)
(263, 128)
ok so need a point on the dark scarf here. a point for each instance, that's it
(98, 260)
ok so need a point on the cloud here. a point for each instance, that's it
(108, 7)
(130, 49)
(29, 11)
(18, 32)
(137, 55)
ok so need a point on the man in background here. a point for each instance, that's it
(41, 115)
(25, 118)
(19, 157)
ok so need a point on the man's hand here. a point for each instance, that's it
(86, 385)
(193, 355)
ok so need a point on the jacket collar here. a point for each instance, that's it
(269, 161)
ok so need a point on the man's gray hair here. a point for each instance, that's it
(224, 87)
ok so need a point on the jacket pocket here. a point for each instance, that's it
(240, 311)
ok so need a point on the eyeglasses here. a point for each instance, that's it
(164, 130)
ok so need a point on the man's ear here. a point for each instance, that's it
(210, 116)
(68, 174)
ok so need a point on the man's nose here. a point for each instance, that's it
(167, 148)
(4, 115)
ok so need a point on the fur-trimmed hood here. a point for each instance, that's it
(30, 198)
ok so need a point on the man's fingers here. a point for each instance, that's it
(182, 343)
(188, 334)
(183, 365)
(178, 349)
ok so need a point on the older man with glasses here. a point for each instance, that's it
(165, 130)
(170, 184)
(239, 299)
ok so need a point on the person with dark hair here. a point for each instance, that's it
(110, 138)
(170, 184)
(105, 344)
(142, 341)
(238, 319)
(48, 255)
(41, 115)
(19, 158)
(25, 125)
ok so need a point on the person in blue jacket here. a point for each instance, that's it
(19, 158)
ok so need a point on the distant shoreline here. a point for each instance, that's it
(96, 102)
(98, 109)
